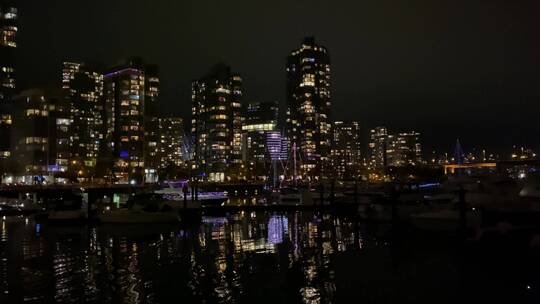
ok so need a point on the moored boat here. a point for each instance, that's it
(67, 208)
(141, 209)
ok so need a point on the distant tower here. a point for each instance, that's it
(274, 144)
(458, 153)
(377, 146)
(404, 149)
(345, 148)
(171, 142)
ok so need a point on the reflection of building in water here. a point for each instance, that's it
(4, 266)
(219, 258)
(278, 227)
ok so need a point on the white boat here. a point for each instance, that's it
(23, 206)
(173, 193)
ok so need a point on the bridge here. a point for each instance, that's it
(451, 168)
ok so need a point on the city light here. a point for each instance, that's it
(166, 151)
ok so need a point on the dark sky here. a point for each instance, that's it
(449, 69)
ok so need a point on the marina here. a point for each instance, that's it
(291, 256)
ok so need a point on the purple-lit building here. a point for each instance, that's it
(124, 119)
(277, 150)
(278, 227)
(277, 146)
(259, 119)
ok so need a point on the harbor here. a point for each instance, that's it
(298, 256)
(201, 243)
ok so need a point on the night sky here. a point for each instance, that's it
(448, 69)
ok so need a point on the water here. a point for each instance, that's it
(251, 258)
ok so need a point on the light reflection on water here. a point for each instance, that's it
(247, 258)
(222, 260)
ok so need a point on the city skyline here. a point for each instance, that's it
(419, 84)
(301, 151)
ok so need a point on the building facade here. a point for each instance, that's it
(171, 142)
(345, 152)
(259, 119)
(82, 87)
(8, 46)
(217, 124)
(124, 93)
(404, 149)
(377, 147)
(42, 135)
(394, 150)
(309, 103)
(151, 124)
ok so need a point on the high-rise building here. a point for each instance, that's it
(377, 147)
(124, 146)
(391, 153)
(217, 123)
(403, 149)
(8, 45)
(151, 124)
(407, 149)
(41, 130)
(83, 89)
(346, 149)
(259, 118)
(394, 150)
(309, 102)
(171, 142)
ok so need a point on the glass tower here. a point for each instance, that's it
(308, 107)
(217, 124)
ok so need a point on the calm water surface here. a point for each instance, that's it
(251, 258)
